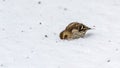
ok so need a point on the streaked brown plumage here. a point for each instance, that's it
(74, 30)
(78, 26)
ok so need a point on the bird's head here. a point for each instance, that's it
(65, 35)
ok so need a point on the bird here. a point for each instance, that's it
(74, 30)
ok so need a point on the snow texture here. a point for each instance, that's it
(29, 34)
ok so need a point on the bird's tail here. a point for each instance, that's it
(90, 28)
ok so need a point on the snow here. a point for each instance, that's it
(25, 23)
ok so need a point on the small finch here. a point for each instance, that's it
(74, 30)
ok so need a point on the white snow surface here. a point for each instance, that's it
(24, 24)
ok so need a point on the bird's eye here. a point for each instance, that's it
(65, 36)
